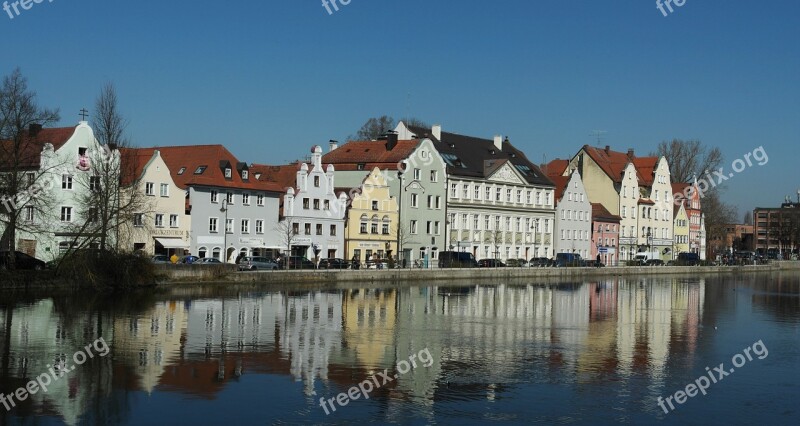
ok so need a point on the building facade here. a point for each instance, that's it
(680, 229)
(773, 230)
(163, 227)
(499, 204)
(372, 214)
(655, 214)
(605, 235)
(232, 212)
(573, 233)
(415, 173)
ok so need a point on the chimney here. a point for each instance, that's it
(333, 144)
(608, 149)
(34, 129)
(498, 142)
(630, 153)
(391, 140)
(436, 131)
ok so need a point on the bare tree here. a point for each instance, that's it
(748, 218)
(375, 128)
(22, 180)
(286, 232)
(689, 159)
(416, 122)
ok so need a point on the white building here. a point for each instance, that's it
(573, 216)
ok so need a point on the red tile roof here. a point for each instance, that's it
(31, 146)
(284, 176)
(371, 153)
(561, 184)
(612, 162)
(133, 162)
(555, 167)
(646, 166)
(599, 212)
(190, 158)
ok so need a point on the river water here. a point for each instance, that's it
(597, 352)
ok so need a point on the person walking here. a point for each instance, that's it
(597, 264)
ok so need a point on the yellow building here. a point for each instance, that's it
(371, 226)
(681, 233)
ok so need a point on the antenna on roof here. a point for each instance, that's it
(598, 134)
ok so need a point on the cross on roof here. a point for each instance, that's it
(84, 113)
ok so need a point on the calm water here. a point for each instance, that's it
(598, 352)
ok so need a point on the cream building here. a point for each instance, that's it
(163, 227)
(371, 226)
(681, 230)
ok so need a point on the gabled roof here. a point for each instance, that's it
(465, 156)
(284, 176)
(599, 212)
(646, 167)
(200, 166)
(613, 163)
(133, 162)
(370, 154)
(561, 183)
(31, 146)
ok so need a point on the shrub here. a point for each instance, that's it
(108, 270)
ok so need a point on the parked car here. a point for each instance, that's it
(491, 263)
(516, 263)
(333, 263)
(21, 261)
(540, 262)
(296, 262)
(457, 259)
(654, 262)
(254, 263)
(209, 261)
(569, 260)
(160, 259)
(688, 259)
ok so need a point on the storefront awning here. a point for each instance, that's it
(172, 243)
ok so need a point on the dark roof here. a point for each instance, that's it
(473, 157)
(283, 176)
(370, 154)
(599, 212)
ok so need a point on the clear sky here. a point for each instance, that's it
(271, 78)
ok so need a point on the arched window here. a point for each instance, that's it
(202, 252)
(217, 254)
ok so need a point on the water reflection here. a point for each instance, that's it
(486, 340)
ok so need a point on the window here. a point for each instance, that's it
(316, 203)
(434, 175)
(229, 226)
(476, 222)
(173, 221)
(488, 194)
(508, 195)
(259, 226)
(316, 181)
(436, 228)
(497, 223)
(538, 197)
(477, 193)
(138, 220)
(228, 173)
(374, 205)
(66, 214)
(305, 204)
(326, 205)
(94, 183)
(438, 202)
(453, 190)
(229, 197)
(360, 166)
(164, 190)
(246, 199)
(429, 227)
(307, 228)
(200, 169)
(373, 228)
(363, 229)
(149, 188)
(29, 214)
(159, 220)
(245, 226)
(385, 229)
(417, 174)
(430, 201)
(319, 229)
(519, 196)
(295, 228)
(245, 175)
(465, 221)
(414, 227)
(466, 192)
(414, 200)
(486, 222)
(181, 171)
(519, 225)
(260, 200)
(498, 194)
(333, 230)
(214, 197)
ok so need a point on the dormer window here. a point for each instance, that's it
(316, 181)
(200, 170)
(181, 171)
(258, 176)
(228, 173)
(245, 175)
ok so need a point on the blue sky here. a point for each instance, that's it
(271, 78)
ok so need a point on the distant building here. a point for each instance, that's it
(371, 223)
(605, 235)
(681, 229)
(697, 234)
(775, 230)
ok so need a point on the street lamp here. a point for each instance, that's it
(224, 209)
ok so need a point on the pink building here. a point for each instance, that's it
(605, 235)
